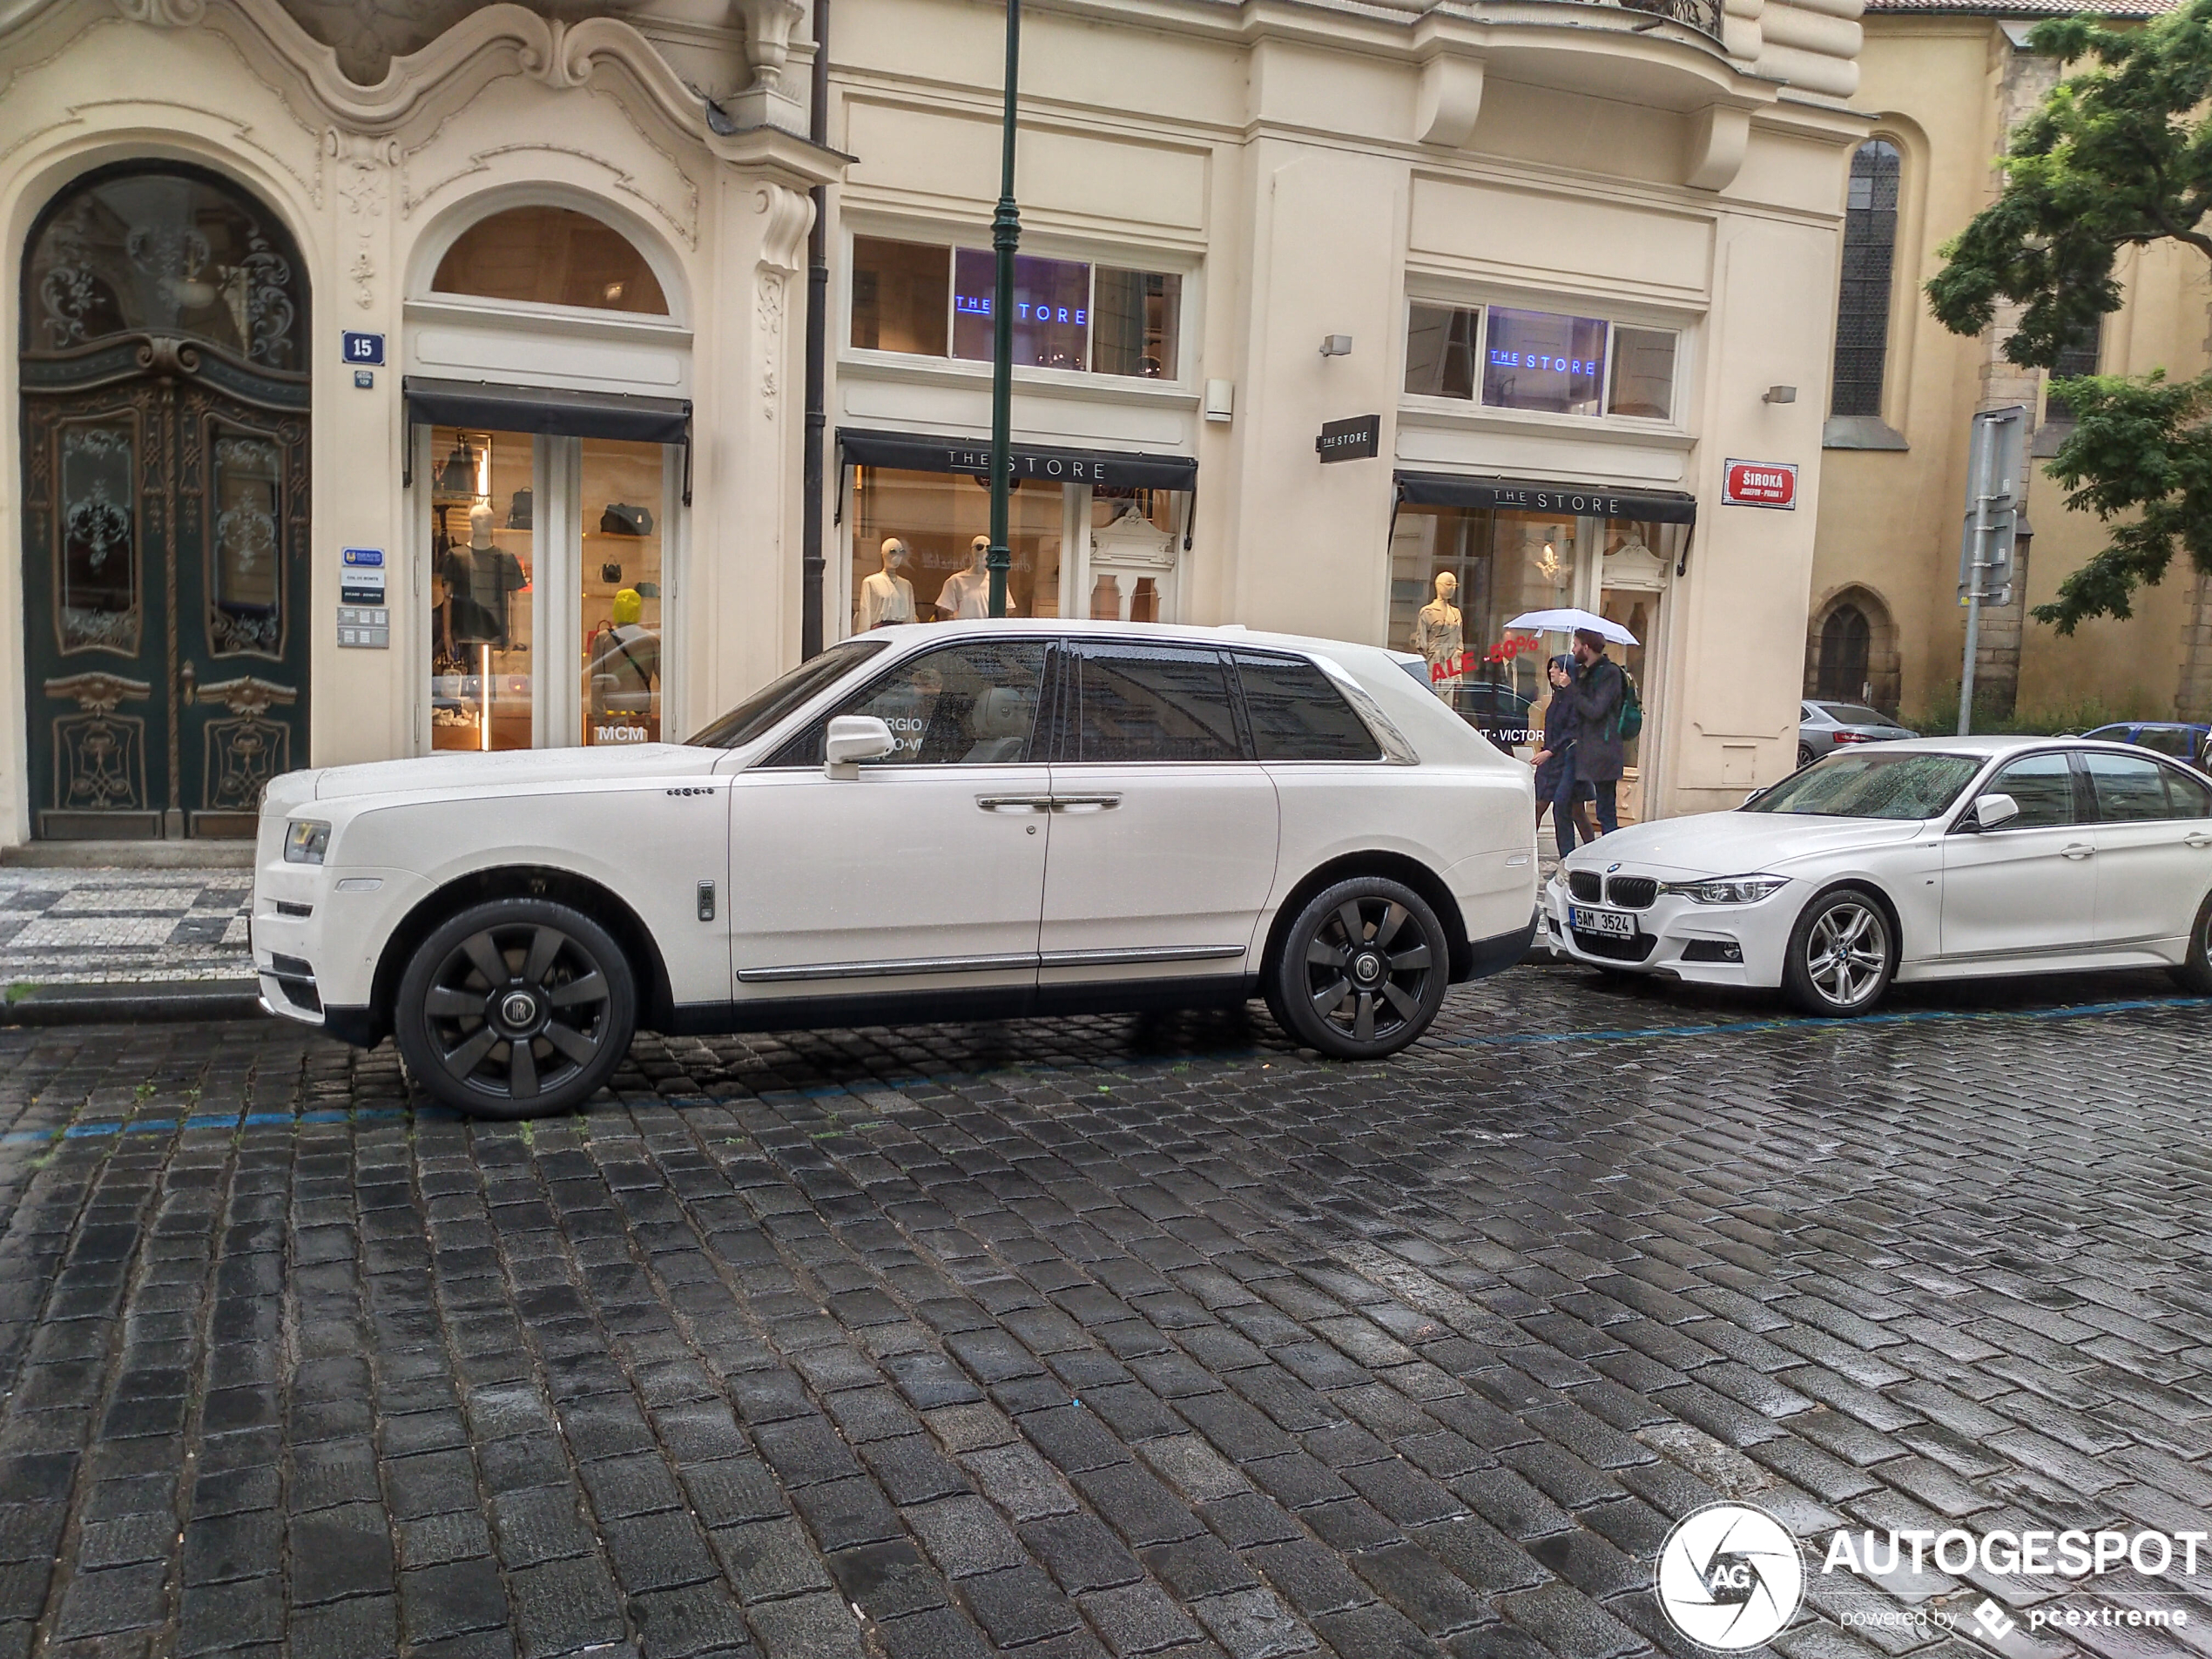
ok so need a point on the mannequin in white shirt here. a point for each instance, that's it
(966, 594)
(886, 597)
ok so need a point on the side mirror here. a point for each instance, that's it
(852, 738)
(1991, 811)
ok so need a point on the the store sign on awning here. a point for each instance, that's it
(1578, 501)
(1760, 483)
(1111, 469)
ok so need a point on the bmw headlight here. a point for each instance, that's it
(1729, 889)
(306, 841)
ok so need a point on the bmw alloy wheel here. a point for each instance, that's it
(1840, 955)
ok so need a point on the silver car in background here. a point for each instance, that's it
(1824, 727)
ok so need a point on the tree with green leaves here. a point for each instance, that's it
(2118, 155)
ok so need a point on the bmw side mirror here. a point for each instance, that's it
(852, 738)
(1990, 811)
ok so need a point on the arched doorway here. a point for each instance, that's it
(164, 368)
(1850, 653)
(1846, 643)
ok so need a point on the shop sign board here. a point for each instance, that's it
(362, 350)
(1359, 438)
(1761, 483)
(361, 578)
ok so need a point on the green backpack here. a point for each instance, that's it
(1628, 720)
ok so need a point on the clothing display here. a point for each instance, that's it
(478, 580)
(1440, 636)
(884, 599)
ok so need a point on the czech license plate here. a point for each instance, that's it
(1610, 924)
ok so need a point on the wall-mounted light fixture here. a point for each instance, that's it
(1779, 394)
(1336, 345)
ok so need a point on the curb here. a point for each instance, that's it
(128, 1001)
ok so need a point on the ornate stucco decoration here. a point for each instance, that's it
(788, 216)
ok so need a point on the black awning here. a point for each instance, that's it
(1581, 500)
(1116, 468)
(553, 410)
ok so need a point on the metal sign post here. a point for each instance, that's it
(1996, 486)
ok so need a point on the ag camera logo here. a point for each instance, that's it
(1730, 1577)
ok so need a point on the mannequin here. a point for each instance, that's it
(478, 578)
(1439, 637)
(886, 597)
(966, 594)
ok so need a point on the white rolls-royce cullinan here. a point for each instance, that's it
(949, 821)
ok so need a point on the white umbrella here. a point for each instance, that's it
(1568, 621)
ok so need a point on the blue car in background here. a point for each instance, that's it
(2190, 740)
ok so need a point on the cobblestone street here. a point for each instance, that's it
(1103, 1337)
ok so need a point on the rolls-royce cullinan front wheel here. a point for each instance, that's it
(1362, 971)
(516, 1007)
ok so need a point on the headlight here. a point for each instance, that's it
(306, 841)
(1729, 889)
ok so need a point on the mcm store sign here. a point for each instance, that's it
(1731, 1577)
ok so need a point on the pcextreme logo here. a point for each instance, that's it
(1730, 1577)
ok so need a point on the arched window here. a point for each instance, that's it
(1870, 258)
(552, 256)
(1846, 652)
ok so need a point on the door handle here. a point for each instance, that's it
(2079, 850)
(2197, 838)
(1015, 803)
(1085, 803)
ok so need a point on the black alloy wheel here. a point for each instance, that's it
(1362, 971)
(516, 1007)
(1842, 954)
(2196, 972)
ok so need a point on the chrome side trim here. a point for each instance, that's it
(1012, 960)
(893, 970)
(1139, 955)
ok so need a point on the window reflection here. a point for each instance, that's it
(622, 590)
(483, 549)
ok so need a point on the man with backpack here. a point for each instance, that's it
(1606, 706)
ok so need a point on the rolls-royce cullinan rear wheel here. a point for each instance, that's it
(1362, 971)
(516, 1007)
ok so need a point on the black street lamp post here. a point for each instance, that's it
(1005, 236)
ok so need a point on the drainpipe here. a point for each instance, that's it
(812, 565)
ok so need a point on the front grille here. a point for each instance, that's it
(1583, 885)
(1632, 892)
(1618, 950)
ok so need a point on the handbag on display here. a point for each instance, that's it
(520, 510)
(621, 519)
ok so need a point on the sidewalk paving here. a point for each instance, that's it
(61, 927)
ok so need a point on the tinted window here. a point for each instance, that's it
(1298, 715)
(1870, 785)
(1153, 702)
(2043, 785)
(2128, 791)
(2112, 733)
(2167, 739)
(779, 698)
(972, 705)
(1854, 714)
(2189, 797)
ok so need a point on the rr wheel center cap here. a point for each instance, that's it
(518, 1011)
(1366, 968)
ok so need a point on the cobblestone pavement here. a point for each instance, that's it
(75, 927)
(1103, 1337)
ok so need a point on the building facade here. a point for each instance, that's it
(1944, 83)
(434, 382)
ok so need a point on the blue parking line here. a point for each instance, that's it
(78, 1131)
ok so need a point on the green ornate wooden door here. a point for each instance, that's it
(166, 423)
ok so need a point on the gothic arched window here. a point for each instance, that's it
(1870, 259)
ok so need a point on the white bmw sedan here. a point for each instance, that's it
(958, 820)
(1936, 860)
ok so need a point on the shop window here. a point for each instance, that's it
(928, 300)
(1535, 360)
(483, 551)
(899, 292)
(1863, 304)
(622, 590)
(1643, 373)
(919, 540)
(552, 256)
(1540, 360)
(1440, 350)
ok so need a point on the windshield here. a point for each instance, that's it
(779, 698)
(1870, 785)
(1853, 714)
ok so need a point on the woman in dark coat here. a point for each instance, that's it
(1556, 786)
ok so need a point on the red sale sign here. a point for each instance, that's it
(1760, 483)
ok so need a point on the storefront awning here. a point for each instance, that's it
(553, 410)
(1115, 468)
(1580, 501)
